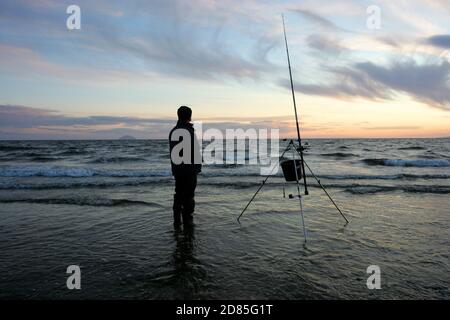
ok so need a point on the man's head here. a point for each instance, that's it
(184, 113)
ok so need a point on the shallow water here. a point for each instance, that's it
(106, 206)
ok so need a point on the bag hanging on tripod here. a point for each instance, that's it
(288, 167)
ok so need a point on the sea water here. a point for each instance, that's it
(105, 206)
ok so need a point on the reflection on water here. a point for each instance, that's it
(186, 273)
(101, 206)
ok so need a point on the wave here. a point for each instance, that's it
(225, 165)
(13, 148)
(209, 171)
(44, 159)
(76, 172)
(81, 185)
(96, 202)
(400, 176)
(32, 156)
(238, 184)
(412, 148)
(432, 155)
(407, 163)
(73, 153)
(117, 160)
(350, 188)
(371, 189)
(353, 188)
(338, 155)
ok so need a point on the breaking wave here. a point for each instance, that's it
(352, 188)
(412, 148)
(81, 172)
(13, 148)
(43, 159)
(72, 152)
(371, 189)
(75, 172)
(117, 160)
(400, 176)
(96, 202)
(83, 184)
(338, 155)
(407, 163)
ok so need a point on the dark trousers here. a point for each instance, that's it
(183, 200)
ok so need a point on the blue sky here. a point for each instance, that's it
(134, 62)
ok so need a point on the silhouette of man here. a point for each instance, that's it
(186, 164)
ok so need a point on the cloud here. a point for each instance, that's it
(319, 20)
(428, 83)
(28, 117)
(325, 44)
(24, 61)
(23, 122)
(346, 82)
(440, 41)
(167, 38)
(393, 128)
(440, 4)
(157, 41)
(182, 54)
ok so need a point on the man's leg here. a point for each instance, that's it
(188, 199)
(177, 201)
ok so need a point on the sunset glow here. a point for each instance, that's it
(130, 66)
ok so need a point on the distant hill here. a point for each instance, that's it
(127, 137)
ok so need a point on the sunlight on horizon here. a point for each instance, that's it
(129, 68)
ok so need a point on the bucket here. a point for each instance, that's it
(289, 171)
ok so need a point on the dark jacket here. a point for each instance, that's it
(191, 167)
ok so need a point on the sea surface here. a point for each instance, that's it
(106, 207)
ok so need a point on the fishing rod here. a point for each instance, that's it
(294, 170)
(300, 147)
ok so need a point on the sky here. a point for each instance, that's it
(133, 63)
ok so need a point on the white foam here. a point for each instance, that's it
(59, 171)
(45, 171)
(417, 163)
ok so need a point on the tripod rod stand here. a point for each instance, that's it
(263, 183)
(329, 197)
(292, 145)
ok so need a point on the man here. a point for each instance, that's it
(186, 164)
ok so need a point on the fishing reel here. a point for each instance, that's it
(301, 148)
(294, 169)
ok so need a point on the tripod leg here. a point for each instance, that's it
(262, 184)
(303, 218)
(328, 195)
(257, 191)
(298, 192)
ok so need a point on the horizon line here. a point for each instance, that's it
(314, 138)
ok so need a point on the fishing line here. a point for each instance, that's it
(294, 170)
